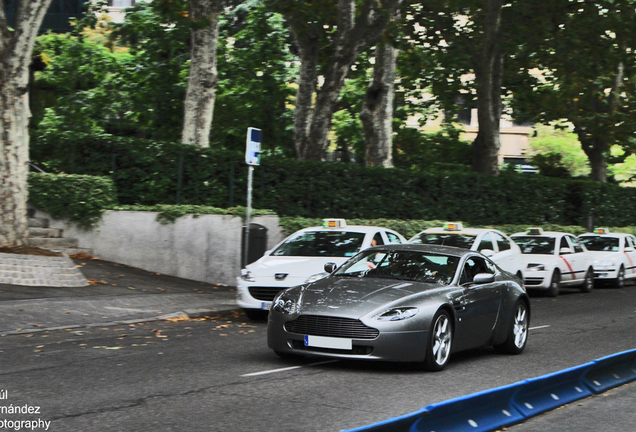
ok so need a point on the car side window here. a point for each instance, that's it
(393, 239)
(564, 243)
(577, 246)
(377, 240)
(474, 266)
(486, 243)
(631, 242)
(502, 243)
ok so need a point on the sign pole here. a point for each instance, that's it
(252, 158)
(248, 216)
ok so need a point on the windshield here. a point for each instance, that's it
(321, 243)
(598, 243)
(535, 245)
(401, 265)
(464, 241)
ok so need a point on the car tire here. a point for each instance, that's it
(619, 282)
(439, 343)
(555, 284)
(256, 314)
(588, 282)
(517, 333)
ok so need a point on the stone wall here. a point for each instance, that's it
(205, 248)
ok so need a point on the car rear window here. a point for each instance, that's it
(322, 243)
(458, 240)
(535, 245)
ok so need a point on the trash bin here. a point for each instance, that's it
(257, 243)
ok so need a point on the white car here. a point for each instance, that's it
(554, 260)
(301, 258)
(490, 242)
(614, 255)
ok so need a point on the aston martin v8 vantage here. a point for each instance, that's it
(412, 303)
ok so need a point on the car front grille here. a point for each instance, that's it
(355, 350)
(331, 327)
(533, 281)
(265, 293)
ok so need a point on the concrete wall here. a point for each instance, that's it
(206, 248)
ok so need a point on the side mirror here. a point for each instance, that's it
(487, 252)
(330, 267)
(629, 249)
(566, 250)
(483, 278)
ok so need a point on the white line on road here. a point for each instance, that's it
(539, 327)
(286, 369)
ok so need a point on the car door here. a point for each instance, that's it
(580, 259)
(478, 306)
(506, 255)
(630, 255)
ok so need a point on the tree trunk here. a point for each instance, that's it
(595, 149)
(377, 108)
(16, 47)
(202, 79)
(488, 77)
(355, 32)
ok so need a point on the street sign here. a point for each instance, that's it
(253, 146)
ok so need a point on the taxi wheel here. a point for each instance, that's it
(555, 284)
(620, 279)
(440, 339)
(517, 330)
(588, 282)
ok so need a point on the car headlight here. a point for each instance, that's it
(536, 267)
(247, 275)
(602, 263)
(317, 276)
(397, 314)
(287, 302)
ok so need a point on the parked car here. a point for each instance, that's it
(415, 303)
(614, 255)
(490, 242)
(300, 259)
(554, 260)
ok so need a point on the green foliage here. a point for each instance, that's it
(559, 150)
(414, 149)
(81, 198)
(147, 172)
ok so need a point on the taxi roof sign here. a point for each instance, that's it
(601, 231)
(334, 223)
(534, 231)
(453, 226)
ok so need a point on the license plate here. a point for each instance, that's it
(328, 342)
(266, 305)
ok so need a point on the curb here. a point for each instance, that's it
(188, 313)
(514, 403)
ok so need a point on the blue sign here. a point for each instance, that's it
(253, 146)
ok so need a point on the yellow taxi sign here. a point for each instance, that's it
(534, 231)
(601, 231)
(453, 226)
(334, 223)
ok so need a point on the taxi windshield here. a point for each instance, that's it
(598, 243)
(401, 265)
(464, 241)
(321, 243)
(535, 245)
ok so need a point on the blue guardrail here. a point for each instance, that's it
(514, 403)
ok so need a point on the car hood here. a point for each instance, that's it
(603, 255)
(295, 267)
(355, 297)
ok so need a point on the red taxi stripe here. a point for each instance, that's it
(631, 264)
(569, 266)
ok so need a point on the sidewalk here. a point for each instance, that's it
(116, 294)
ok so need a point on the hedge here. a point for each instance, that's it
(152, 172)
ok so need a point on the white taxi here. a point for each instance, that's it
(490, 242)
(554, 260)
(614, 255)
(301, 258)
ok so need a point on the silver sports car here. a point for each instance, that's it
(415, 303)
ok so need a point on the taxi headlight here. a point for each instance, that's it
(317, 276)
(602, 263)
(397, 314)
(536, 267)
(286, 303)
(247, 275)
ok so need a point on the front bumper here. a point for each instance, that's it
(537, 279)
(605, 273)
(403, 346)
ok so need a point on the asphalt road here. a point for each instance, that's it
(219, 375)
